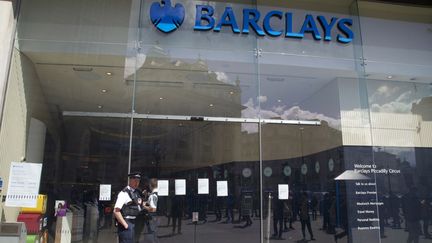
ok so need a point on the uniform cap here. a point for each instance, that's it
(136, 175)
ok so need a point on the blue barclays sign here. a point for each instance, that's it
(167, 18)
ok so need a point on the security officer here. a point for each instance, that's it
(127, 207)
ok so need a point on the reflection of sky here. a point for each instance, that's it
(396, 97)
(286, 113)
(287, 92)
(404, 154)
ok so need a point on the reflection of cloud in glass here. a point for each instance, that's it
(282, 112)
(221, 76)
(402, 104)
(133, 63)
(262, 99)
(384, 91)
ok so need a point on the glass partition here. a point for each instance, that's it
(310, 69)
(209, 173)
(399, 95)
(191, 124)
(68, 91)
(262, 120)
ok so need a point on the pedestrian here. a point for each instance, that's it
(412, 212)
(314, 204)
(325, 207)
(278, 218)
(304, 216)
(151, 207)
(177, 213)
(426, 217)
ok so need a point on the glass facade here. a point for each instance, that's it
(271, 125)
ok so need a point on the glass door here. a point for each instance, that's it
(195, 125)
(208, 178)
(309, 71)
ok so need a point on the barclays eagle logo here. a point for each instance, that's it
(165, 17)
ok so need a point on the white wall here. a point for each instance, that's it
(24, 103)
(7, 31)
(36, 141)
(13, 130)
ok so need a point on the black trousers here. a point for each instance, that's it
(126, 235)
(177, 220)
(306, 223)
(278, 222)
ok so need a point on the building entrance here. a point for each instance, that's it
(217, 182)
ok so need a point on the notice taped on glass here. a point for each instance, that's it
(180, 187)
(283, 191)
(222, 188)
(105, 192)
(203, 186)
(163, 188)
(23, 185)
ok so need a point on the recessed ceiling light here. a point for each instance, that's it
(211, 105)
(161, 98)
(232, 92)
(276, 79)
(279, 101)
(390, 77)
(82, 69)
(109, 73)
(104, 90)
(100, 106)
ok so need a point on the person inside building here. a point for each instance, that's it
(304, 216)
(412, 211)
(128, 206)
(151, 207)
(426, 211)
(278, 210)
(177, 207)
(142, 220)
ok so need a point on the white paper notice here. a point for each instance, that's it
(180, 187)
(163, 188)
(23, 186)
(203, 186)
(283, 191)
(105, 192)
(222, 188)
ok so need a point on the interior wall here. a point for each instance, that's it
(13, 130)
(24, 100)
(398, 48)
(7, 33)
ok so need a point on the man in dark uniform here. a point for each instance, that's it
(127, 207)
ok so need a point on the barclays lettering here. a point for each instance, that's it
(205, 21)
(167, 19)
